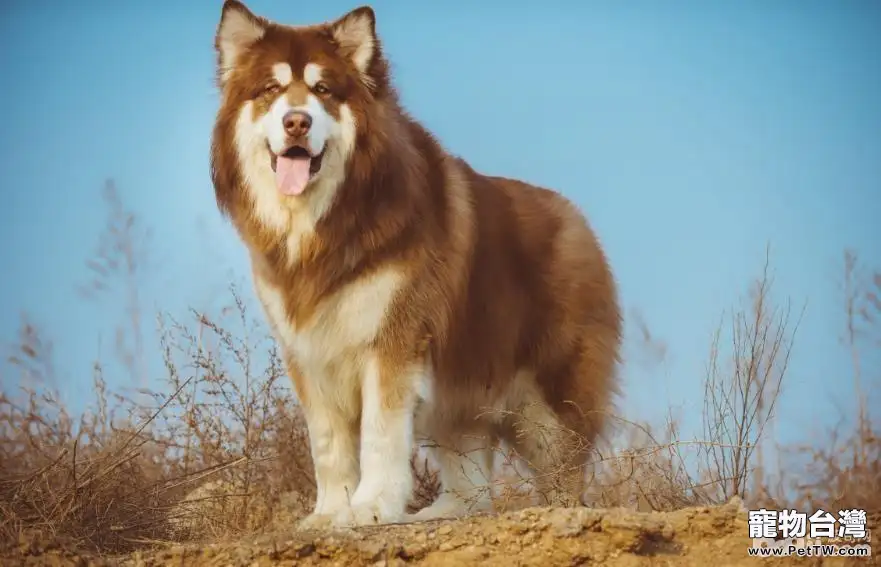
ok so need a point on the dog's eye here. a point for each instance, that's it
(321, 88)
(271, 89)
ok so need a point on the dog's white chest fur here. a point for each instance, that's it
(331, 346)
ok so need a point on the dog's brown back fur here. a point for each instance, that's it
(503, 278)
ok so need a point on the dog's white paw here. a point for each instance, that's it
(449, 507)
(365, 515)
(433, 512)
(318, 522)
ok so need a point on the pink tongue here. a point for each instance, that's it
(292, 174)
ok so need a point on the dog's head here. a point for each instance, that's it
(295, 97)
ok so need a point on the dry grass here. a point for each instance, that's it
(220, 449)
(844, 469)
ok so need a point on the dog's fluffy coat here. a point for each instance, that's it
(412, 296)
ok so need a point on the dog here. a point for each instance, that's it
(413, 298)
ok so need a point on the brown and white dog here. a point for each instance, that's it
(412, 296)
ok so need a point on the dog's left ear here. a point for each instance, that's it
(238, 30)
(355, 33)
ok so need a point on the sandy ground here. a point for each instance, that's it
(701, 537)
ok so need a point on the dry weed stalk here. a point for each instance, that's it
(638, 470)
(121, 258)
(79, 481)
(740, 400)
(844, 471)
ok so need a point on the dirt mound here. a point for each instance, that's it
(536, 536)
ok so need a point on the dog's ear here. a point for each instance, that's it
(238, 30)
(355, 34)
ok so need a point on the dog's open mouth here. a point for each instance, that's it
(294, 169)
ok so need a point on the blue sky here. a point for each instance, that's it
(691, 133)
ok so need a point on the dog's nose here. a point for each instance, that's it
(296, 123)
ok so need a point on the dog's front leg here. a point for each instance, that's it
(333, 436)
(388, 398)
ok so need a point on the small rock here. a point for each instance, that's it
(562, 526)
(447, 546)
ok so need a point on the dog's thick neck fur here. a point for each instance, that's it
(388, 207)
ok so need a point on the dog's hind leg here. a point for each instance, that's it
(555, 453)
(465, 471)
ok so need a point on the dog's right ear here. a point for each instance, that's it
(238, 30)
